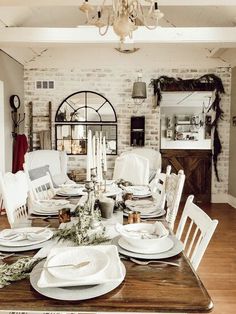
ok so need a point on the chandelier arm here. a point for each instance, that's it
(106, 29)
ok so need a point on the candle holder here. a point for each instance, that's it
(105, 180)
(89, 204)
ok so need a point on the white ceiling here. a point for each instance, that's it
(35, 28)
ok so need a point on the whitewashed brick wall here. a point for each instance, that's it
(116, 85)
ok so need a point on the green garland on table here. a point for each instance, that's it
(21, 269)
(82, 233)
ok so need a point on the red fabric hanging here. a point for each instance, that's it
(19, 149)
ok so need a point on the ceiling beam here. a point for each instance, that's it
(224, 37)
(32, 3)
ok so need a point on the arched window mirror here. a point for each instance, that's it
(80, 112)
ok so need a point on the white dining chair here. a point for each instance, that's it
(48, 160)
(174, 189)
(152, 155)
(195, 230)
(14, 190)
(132, 168)
(158, 187)
(41, 188)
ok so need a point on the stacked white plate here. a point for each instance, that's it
(49, 207)
(142, 241)
(100, 273)
(24, 239)
(138, 191)
(147, 208)
(173, 248)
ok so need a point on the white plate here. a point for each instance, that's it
(76, 293)
(144, 211)
(52, 203)
(23, 248)
(39, 213)
(112, 191)
(176, 249)
(76, 192)
(98, 262)
(23, 243)
(165, 245)
(153, 215)
(138, 191)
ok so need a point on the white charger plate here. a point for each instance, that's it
(175, 250)
(76, 293)
(166, 244)
(23, 243)
(98, 262)
(153, 215)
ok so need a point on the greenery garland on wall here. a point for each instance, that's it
(207, 82)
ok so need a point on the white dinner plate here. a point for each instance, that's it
(43, 237)
(16, 249)
(98, 261)
(39, 213)
(153, 215)
(175, 250)
(76, 293)
(165, 245)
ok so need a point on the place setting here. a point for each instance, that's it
(138, 191)
(78, 273)
(24, 239)
(49, 207)
(146, 208)
(146, 241)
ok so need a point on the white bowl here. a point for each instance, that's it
(144, 229)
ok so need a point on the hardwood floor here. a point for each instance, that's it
(218, 266)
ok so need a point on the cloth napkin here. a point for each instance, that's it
(15, 236)
(158, 231)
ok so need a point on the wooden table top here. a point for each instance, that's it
(145, 289)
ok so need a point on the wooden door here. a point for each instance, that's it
(197, 169)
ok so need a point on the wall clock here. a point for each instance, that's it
(15, 102)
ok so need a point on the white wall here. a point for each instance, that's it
(2, 129)
(11, 73)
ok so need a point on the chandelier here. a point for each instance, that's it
(123, 15)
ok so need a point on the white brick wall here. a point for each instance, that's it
(116, 84)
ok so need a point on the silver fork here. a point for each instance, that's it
(78, 265)
(136, 261)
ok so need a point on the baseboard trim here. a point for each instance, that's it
(219, 198)
(232, 200)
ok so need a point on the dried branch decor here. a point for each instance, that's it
(19, 270)
(207, 82)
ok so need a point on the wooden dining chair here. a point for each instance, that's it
(41, 188)
(195, 230)
(174, 188)
(14, 190)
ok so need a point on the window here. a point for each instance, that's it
(80, 112)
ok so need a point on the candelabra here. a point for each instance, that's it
(90, 187)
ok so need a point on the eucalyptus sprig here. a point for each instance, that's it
(19, 270)
(82, 233)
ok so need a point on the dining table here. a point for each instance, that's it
(158, 288)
